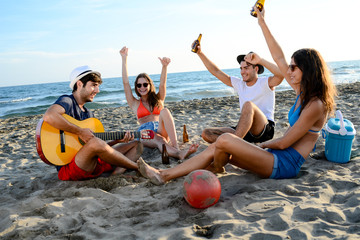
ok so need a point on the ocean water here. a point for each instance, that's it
(35, 99)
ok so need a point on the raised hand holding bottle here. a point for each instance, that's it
(196, 44)
(260, 5)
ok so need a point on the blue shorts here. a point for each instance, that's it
(150, 126)
(287, 163)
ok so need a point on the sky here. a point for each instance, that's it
(43, 41)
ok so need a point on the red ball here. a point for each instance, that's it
(201, 189)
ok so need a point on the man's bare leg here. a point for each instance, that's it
(161, 176)
(131, 150)
(149, 172)
(252, 120)
(87, 156)
(211, 134)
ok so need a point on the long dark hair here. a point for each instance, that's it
(316, 81)
(153, 98)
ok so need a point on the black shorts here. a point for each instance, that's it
(266, 134)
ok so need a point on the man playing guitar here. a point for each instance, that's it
(95, 156)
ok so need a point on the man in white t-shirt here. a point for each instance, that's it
(256, 98)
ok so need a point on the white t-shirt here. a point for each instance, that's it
(260, 94)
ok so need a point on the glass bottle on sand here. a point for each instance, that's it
(185, 135)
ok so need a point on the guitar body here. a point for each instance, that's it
(49, 140)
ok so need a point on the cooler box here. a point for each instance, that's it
(339, 135)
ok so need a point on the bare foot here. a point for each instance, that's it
(150, 172)
(185, 153)
(118, 170)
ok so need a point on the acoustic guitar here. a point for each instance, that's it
(58, 147)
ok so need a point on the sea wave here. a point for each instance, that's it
(98, 105)
(346, 71)
(47, 98)
(110, 92)
(16, 100)
(344, 68)
(210, 93)
(26, 111)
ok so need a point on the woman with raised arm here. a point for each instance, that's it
(150, 111)
(283, 157)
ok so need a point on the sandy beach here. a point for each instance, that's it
(322, 202)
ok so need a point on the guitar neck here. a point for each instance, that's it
(106, 136)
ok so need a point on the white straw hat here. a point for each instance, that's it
(79, 73)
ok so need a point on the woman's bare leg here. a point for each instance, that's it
(167, 127)
(234, 150)
(199, 161)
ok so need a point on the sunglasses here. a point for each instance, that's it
(138, 85)
(292, 67)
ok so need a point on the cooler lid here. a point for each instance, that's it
(340, 126)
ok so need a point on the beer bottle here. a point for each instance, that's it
(260, 5)
(196, 44)
(164, 155)
(185, 135)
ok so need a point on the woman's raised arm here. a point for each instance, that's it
(275, 49)
(125, 78)
(163, 77)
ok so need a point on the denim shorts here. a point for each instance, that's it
(150, 126)
(287, 163)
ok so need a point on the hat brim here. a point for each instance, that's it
(240, 59)
(73, 82)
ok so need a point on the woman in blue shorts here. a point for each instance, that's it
(309, 77)
(279, 158)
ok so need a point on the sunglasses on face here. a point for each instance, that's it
(138, 85)
(292, 67)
